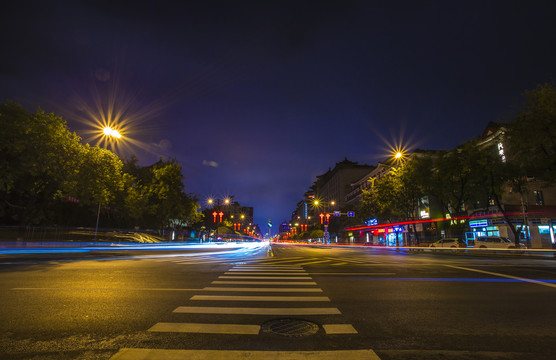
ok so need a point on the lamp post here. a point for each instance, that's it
(111, 134)
(218, 214)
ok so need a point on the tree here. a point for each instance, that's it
(40, 158)
(155, 195)
(531, 135)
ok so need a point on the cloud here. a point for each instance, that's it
(210, 163)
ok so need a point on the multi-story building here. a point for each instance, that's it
(333, 186)
(533, 210)
(353, 197)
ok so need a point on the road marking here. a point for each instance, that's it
(277, 262)
(257, 311)
(268, 273)
(253, 289)
(267, 277)
(266, 269)
(207, 328)
(314, 262)
(505, 276)
(162, 354)
(259, 298)
(268, 266)
(349, 274)
(107, 289)
(265, 282)
(339, 329)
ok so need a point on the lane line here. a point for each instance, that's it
(349, 274)
(314, 262)
(163, 354)
(266, 277)
(248, 266)
(268, 270)
(265, 282)
(339, 329)
(253, 289)
(207, 328)
(505, 276)
(107, 289)
(257, 311)
(258, 298)
(278, 262)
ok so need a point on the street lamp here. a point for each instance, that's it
(211, 202)
(110, 133)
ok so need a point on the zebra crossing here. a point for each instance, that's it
(270, 290)
(294, 261)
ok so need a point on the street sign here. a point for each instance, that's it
(351, 213)
(337, 213)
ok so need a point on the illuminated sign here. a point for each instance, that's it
(478, 223)
(397, 228)
(501, 152)
(371, 222)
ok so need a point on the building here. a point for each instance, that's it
(332, 187)
(532, 212)
(353, 197)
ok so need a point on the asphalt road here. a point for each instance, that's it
(293, 302)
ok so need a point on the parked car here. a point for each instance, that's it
(454, 244)
(495, 242)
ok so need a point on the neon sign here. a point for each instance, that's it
(371, 222)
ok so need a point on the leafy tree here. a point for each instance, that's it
(155, 195)
(99, 177)
(531, 135)
(40, 158)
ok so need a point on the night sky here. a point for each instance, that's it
(256, 98)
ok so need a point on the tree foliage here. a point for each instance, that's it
(39, 161)
(531, 145)
(43, 165)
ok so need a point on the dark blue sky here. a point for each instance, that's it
(256, 98)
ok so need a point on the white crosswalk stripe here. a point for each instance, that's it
(268, 278)
(274, 262)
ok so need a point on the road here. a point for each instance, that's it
(286, 302)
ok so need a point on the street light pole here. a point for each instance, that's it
(114, 134)
(96, 226)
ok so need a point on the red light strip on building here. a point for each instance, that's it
(431, 221)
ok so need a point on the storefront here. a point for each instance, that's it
(539, 232)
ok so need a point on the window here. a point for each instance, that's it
(539, 198)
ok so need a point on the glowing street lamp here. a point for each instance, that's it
(110, 133)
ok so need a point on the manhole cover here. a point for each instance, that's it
(290, 327)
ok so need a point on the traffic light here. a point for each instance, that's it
(321, 218)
